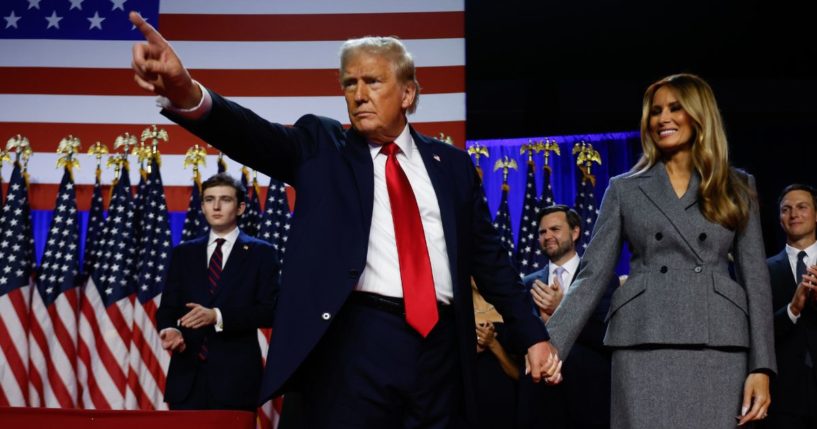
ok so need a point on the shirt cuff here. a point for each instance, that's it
(198, 112)
(219, 321)
(791, 315)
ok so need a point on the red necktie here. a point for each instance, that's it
(214, 267)
(213, 278)
(412, 252)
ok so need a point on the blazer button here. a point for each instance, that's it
(658, 236)
(698, 269)
(664, 269)
(702, 237)
(326, 316)
(353, 274)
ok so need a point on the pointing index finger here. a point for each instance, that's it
(150, 33)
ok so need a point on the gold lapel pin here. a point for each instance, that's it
(246, 247)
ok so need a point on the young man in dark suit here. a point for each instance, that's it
(220, 289)
(794, 390)
(376, 323)
(583, 399)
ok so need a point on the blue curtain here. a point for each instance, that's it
(618, 152)
(41, 221)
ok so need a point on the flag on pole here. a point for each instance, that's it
(194, 223)
(585, 193)
(96, 222)
(528, 242)
(502, 220)
(276, 219)
(16, 269)
(54, 305)
(250, 220)
(148, 360)
(106, 309)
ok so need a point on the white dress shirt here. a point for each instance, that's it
(382, 272)
(571, 266)
(810, 260)
(229, 240)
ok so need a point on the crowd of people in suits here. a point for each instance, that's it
(397, 298)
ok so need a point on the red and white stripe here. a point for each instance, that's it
(52, 351)
(103, 350)
(270, 412)
(278, 58)
(14, 313)
(148, 360)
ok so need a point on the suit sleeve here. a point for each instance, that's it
(595, 271)
(171, 307)
(261, 312)
(753, 273)
(497, 279)
(274, 149)
(780, 298)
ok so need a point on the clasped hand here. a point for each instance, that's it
(542, 363)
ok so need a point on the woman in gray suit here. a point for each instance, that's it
(693, 348)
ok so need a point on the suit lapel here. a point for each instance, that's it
(658, 189)
(199, 276)
(357, 155)
(434, 163)
(781, 267)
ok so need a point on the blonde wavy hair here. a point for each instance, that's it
(724, 196)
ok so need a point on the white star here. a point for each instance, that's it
(96, 21)
(76, 4)
(53, 20)
(32, 4)
(11, 20)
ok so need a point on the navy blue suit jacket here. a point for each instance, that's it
(246, 299)
(332, 171)
(793, 343)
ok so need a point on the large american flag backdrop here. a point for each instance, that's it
(65, 69)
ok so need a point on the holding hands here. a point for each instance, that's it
(542, 363)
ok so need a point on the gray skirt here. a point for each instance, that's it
(677, 388)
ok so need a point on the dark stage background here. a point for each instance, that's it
(537, 68)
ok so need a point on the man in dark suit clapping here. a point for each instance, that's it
(795, 320)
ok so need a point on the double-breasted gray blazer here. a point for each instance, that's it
(679, 291)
